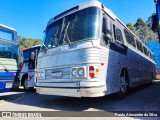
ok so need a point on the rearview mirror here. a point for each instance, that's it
(104, 29)
(32, 56)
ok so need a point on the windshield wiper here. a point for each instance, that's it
(56, 38)
(6, 70)
(63, 24)
(44, 47)
(66, 34)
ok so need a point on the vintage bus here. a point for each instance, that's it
(28, 68)
(89, 52)
(9, 58)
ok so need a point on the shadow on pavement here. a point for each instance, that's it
(143, 98)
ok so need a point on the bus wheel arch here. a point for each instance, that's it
(123, 83)
(24, 83)
(124, 71)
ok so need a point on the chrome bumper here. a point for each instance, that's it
(77, 89)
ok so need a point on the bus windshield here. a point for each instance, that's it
(81, 25)
(9, 51)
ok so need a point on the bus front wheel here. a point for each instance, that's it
(25, 85)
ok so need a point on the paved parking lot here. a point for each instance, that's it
(143, 98)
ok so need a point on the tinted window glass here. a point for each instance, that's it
(7, 34)
(9, 51)
(139, 46)
(127, 35)
(145, 50)
(130, 38)
(118, 34)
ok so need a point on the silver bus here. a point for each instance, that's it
(89, 52)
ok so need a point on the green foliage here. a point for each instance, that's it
(131, 27)
(142, 30)
(29, 42)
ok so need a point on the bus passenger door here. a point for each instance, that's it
(32, 68)
(31, 78)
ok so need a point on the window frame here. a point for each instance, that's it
(115, 28)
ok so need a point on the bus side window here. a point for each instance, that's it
(150, 55)
(118, 34)
(133, 41)
(145, 50)
(127, 35)
(139, 46)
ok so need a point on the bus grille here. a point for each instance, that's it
(64, 71)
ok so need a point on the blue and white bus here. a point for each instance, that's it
(9, 58)
(89, 52)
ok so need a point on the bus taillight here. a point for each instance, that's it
(91, 72)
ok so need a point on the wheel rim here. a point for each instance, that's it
(123, 85)
(26, 84)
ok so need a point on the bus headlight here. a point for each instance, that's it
(38, 75)
(81, 72)
(41, 74)
(74, 72)
(78, 72)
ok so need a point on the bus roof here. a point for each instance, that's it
(36, 46)
(4, 26)
(84, 5)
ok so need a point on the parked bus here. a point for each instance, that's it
(9, 58)
(28, 68)
(89, 52)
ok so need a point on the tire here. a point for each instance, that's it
(123, 86)
(25, 83)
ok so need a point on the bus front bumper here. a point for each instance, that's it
(78, 89)
(7, 86)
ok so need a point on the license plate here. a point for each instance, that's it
(9, 85)
(56, 74)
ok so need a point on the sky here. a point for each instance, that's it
(30, 17)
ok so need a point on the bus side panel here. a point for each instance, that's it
(134, 67)
(116, 62)
(140, 69)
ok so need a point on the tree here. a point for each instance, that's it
(29, 42)
(131, 27)
(142, 30)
